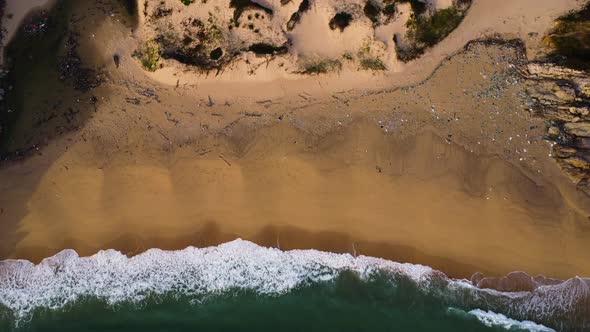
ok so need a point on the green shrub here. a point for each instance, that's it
(149, 55)
(570, 38)
(372, 64)
(322, 66)
(429, 30)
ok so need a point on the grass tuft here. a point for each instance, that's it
(322, 66)
(372, 64)
(149, 55)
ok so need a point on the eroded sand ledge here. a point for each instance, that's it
(451, 173)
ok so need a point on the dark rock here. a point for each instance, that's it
(117, 60)
(582, 143)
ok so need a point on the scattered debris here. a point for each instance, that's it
(223, 158)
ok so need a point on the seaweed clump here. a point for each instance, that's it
(570, 39)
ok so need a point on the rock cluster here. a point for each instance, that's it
(562, 96)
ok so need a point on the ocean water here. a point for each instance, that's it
(240, 286)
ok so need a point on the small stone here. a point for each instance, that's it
(554, 131)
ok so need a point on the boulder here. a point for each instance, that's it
(552, 71)
(578, 162)
(553, 131)
(578, 129)
(582, 143)
(551, 93)
(574, 173)
(564, 151)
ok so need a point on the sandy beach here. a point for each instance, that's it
(436, 161)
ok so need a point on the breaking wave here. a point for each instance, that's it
(491, 319)
(112, 277)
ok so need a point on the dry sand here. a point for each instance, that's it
(451, 173)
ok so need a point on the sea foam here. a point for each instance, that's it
(491, 319)
(111, 276)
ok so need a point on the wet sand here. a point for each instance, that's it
(354, 190)
(452, 172)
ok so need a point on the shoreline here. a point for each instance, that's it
(197, 273)
(312, 167)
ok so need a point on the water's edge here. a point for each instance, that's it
(62, 282)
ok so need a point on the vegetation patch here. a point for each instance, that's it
(296, 17)
(570, 39)
(149, 55)
(369, 58)
(418, 7)
(187, 2)
(161, 11)
(200, 43)
(430, 30)
(427, 30)
(340, 21)
(264, 48)
(322, 66)
(372, 63)
(372, 11)
(389, 8)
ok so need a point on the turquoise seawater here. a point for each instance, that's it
(345, 304)
(239, 286)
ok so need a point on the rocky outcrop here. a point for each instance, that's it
(562, 96)
(578, 128)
